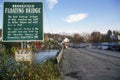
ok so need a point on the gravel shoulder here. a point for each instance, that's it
(89, 64)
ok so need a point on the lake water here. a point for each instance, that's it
(44, 54)
(40, 56)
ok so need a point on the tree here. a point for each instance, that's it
(104, 38)
(109, 33)
(115, 34)
(46, 37)
(85, 37)
(76, 38)
(96, 37)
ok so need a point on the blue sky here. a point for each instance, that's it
(78, 16)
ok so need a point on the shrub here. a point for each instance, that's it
(11, 70)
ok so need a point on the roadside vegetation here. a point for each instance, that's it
(11, 70)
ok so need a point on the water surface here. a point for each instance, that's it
(44, 54)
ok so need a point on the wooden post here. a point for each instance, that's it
(23, 45)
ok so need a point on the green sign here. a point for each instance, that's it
(22, 21)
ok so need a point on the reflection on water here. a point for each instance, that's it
(44, 54)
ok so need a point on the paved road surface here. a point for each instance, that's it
(90, 64)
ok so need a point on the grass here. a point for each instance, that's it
(11, 70)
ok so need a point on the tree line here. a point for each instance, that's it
(94, 37)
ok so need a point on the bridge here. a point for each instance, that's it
(90, 64)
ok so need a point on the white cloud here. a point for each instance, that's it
(52, 3)
(76, 17)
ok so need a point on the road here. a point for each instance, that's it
(90, 64)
